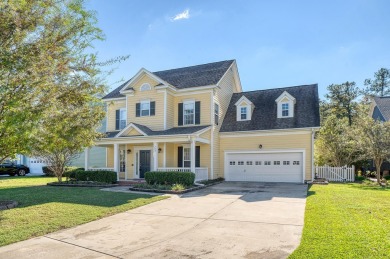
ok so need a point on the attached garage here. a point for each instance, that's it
(278, 166)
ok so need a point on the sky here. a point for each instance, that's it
(275, 43)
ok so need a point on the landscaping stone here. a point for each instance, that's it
(4, 205)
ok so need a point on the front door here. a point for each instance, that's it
(144, 162)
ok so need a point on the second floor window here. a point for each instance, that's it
(145, 108)
(120, 119)
(189, 113)
(243, 113)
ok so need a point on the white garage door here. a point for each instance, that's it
(35, 165)
(264, 167)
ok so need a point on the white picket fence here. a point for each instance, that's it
(336, 174)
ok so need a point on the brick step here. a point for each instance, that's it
(320, 181)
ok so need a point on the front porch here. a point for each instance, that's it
(132, 160)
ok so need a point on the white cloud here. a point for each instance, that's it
(183, 15)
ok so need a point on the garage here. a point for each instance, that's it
(264, 166)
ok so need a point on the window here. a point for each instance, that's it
(189, 113)
(216, 113)
(285, 110)
(243, 113)
(145, 108)
(122, 119)
(248, 162)
(295, 162)
(276, 162)
(186, 157)
(267, 162)
(145, 87)
(286, 162)
(258, 163)
(232, 162)
(240, 162)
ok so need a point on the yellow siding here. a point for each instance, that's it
(296, 141)
(110, 157)
(155, 122)
(205, 103)
(170, 155)
(222, 98)
(170, 111)
(132, 132)
(206, 135)
(111, 108)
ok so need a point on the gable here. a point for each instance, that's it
(144, 79)
(132, 132)
(285, 99)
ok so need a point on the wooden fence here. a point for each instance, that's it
(336, 174)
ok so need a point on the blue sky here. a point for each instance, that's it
(276, 43)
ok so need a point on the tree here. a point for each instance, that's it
(43, 51)
(335, 144)
(380, 85)
(342, 100)
(373, 139)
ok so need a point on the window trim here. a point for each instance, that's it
(192, 102)
(140, 110)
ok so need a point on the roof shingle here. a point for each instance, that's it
(383, 104)
(264, 116)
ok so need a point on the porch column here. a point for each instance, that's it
(155, 156)
(86, 159)
(116, 160)
(193, 155)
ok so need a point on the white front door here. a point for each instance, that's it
(264, 167)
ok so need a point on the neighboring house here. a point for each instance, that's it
(380, 110)
(198, 119)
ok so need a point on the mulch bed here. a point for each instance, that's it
(173, 192)
(82, 184)
(5, 205)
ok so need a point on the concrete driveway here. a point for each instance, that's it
(228, 220)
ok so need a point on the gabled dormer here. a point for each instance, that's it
(285, 105)
(244, 109)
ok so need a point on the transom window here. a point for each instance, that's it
(122, 119)
(285, 110)
(189, 113)
(145, 108)
(243, 113)
(186, 157)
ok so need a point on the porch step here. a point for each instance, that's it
(130, 182)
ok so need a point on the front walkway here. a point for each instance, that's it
(228, 220)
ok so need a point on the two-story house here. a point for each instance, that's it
(198, 119)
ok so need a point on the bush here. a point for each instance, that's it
(68, 169)
(96, 176)
(359, 178)
(171, 178)
(70, 173)
(387, 177)
(178, 187)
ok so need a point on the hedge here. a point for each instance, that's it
(96, 176)
(185, 178)
(68, 169)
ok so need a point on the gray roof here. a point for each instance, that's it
(264, 117)
(383, 104)
(171, 131)
(186, 77)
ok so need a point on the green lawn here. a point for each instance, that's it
(346, 221)
(43, 209)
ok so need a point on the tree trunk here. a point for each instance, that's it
(378, 164)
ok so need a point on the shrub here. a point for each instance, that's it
(96, 176)
(70, 172)
(171, 178)
(359, 178)
(387, 177)
(46, 170)
(178, 187)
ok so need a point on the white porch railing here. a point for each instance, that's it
(201, 173)
(101, 168)
(336, 174)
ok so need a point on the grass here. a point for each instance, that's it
(43, 209)
(346, 221)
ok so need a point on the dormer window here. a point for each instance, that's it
(285, 110)
(244, 113)
(285, 105)
(244, 109)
